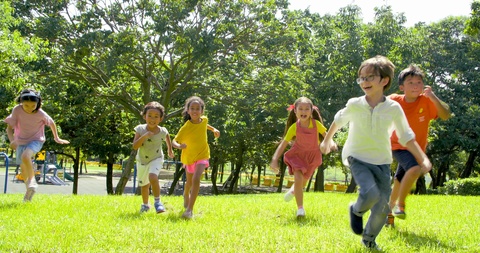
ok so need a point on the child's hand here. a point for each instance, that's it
(333, 146)
(274, 166)
(171, 154)
(425, 166)
(149, 134)
(182, 146)
(428, 92)
(216, 133)
(325, 147)
(13, 145)
(61, 141)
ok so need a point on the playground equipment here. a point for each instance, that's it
(47, 161)
(46, 170)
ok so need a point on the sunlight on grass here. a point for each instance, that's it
(228, 223)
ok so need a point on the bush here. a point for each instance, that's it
(464, 187)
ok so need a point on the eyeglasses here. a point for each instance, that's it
(367, 78)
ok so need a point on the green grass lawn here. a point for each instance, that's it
(228, 223)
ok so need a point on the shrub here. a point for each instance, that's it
(465, 187)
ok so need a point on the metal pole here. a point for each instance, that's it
(6, 171)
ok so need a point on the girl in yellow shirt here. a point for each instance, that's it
(192, 140)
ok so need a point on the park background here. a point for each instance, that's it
(97, 63)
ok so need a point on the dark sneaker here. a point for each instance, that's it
(390, 223)
(159, 207)
(370, 245)
(144, 208)
(356, 222)
(399, 212)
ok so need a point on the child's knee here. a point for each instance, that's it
(372, 194)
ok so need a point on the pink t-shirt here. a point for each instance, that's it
(28, 127)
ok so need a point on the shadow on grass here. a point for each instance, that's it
(170, 215)
(10, 205)
(419, 241)
(303, 221)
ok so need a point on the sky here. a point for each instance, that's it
(415, 10)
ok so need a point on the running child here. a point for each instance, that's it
(192, 140)
(26, 133)
(304, 126)
(148, 140)
(421, 106)
(367, 150)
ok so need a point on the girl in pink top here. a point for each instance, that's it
(26, 134)
(192, 140)
(304, 126)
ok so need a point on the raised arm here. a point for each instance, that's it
(274, 163)
(442, 108)
(11, 138)
(327, 144)
(57, 139)
(215, 131)
(139, 139)
(169, 147)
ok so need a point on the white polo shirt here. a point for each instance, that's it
(370, 130)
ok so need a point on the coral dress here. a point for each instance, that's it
(305, 153)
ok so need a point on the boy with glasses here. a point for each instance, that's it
(367, 150)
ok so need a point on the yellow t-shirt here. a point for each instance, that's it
(195, 137)
(292, 130)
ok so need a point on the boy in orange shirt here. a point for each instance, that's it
(421, 106)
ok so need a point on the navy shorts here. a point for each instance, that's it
(405, 161)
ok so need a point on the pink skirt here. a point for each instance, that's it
(307, 162)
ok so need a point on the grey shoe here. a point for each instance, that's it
(144, 208)
(159, 207)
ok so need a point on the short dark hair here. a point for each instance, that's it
(411, 70)
(154, 105)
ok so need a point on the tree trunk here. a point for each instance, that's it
(320, 179)
(179, 171)
(420, 187)
(283, 169)
(213, 177)
(75, 171)
(222, 171)
(467, 171)
(351, 186)
(109, 178)
(259, 175)
(236, 175)
(126, 173)
(442, 173)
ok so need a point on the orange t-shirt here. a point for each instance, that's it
(419, 114)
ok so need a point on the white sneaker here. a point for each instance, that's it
(301, 213)
(289, 195)
(31, 189)
(187, 215)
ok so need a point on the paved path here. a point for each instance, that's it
(87, 184)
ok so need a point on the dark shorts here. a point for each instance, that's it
(405, 161)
